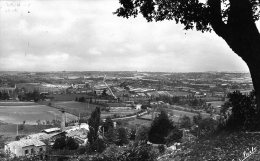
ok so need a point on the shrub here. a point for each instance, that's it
(140, 152)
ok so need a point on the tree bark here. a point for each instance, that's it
(241, 34)
(254, 67)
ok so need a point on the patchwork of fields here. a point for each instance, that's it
(30, 112)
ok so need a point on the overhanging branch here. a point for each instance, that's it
(215, 18)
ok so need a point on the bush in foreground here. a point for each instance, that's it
(138, 152)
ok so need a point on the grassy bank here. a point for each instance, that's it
(221, 147)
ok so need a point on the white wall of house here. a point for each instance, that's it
(22, 151)
(29, 149)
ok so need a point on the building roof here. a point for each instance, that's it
(55, 129)
(26, 142)
(77, 127)
(79, 133)
(41, 136)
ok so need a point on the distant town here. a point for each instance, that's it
(39, 108)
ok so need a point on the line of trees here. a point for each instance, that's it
(31, 96)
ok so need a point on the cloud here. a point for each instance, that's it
(85, 35)
(94, 51)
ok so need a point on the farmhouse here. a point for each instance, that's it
(25, 147)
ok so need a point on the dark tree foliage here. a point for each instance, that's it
(29, 96)
(110, 136)
(122, 136)
(60, 143)
(82, 99)
(109, 131)
(64, 142)
(196, 102)
(108, 124)
(185, 122)
(142, 134)
(174, 136)
(3, 141)
(160, 128)
(233, 20)
(98, 146)
(94, 123)
(207, 126)
(161, 149)
(244, 114)
(197, 119)
(132, 134)
(4, 95)
(190, 13)
(71, 144)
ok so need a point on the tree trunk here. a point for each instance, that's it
(241, 34)
(254, 67)
(250, 53)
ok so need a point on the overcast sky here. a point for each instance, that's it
(84, 35)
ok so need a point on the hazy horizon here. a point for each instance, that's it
(127, 71)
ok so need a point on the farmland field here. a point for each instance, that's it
(30, 112)
(66, 97)
(85, 109)
(175, 115)
(139, 122)
(9, 131)
(75, 108)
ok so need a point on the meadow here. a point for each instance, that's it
(75, 108)
(30, 112)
